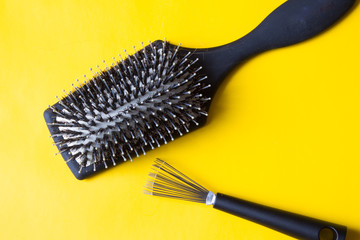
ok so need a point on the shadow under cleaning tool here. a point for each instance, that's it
(167, 181)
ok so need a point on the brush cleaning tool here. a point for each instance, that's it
(164, 91)
(167, 181)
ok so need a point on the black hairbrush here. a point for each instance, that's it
(167, 181)
(164, 91)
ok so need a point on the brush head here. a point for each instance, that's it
(150, 98)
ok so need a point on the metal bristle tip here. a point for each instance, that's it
(167, 181)
(134, 105)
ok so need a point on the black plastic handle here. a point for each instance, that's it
(292, 22)
(297, 20)
(294, 225)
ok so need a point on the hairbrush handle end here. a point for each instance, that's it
(292, 22)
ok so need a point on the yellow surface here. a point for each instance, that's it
(283, 130)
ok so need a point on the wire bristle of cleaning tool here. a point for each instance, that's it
(164, 91)
(166, 181)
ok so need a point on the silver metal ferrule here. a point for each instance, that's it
(211, 198)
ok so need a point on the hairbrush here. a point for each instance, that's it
(167, 181)
(164, 91)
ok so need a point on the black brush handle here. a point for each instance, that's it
(294, 225)
(292, 22)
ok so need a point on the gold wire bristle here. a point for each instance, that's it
(167, 181)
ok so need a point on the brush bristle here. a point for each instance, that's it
(137, 104)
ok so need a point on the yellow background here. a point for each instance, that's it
(283, 130)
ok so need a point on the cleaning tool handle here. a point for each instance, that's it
(294, 225)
